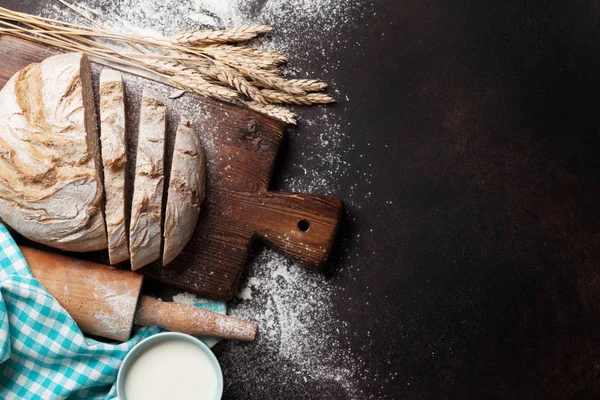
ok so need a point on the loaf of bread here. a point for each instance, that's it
(50, 179)
(114, 160)
(186, 191)
(146, 209)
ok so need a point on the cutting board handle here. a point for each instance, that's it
(303, 226)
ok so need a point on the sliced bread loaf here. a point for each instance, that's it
(186, 191)
(146, 210)
(114, 159)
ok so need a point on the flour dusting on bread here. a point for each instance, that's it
(114, 159)
(50, 178)
(186, 191)
(146, 212)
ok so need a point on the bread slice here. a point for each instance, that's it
(186, 191)
(50, 179)
(146, 209)
(114, 160)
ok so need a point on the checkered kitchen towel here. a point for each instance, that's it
(43, 354)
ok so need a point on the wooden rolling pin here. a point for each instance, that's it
(105, 301)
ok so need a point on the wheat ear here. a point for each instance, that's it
(280, 113)
(231, 35)
(229, 52)
(308, 85)
(274, 96)
(201, 86)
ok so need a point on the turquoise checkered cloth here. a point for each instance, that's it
(43, 354)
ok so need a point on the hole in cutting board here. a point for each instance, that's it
(303, 225)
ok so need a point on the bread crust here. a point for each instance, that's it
(187, 185)
(146, 212)
(114, 160)
(50, 184)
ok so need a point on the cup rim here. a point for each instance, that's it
(160, 337)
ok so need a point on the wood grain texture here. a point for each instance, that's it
(238, 205)
(105, 301)
(193, 320)
(101, 299)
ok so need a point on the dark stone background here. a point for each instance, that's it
(481, 278)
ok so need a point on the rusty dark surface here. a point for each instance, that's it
(480, 277)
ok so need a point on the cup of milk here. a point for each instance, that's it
(170, 365)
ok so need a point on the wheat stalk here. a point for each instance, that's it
(219, 72)
(274, 96)
(250, 52)
(233, 78)
(250, 63)
(202, 61)
(308, 85)
(201, 86)
(231, 35)
(271, 110)
(271, 81)
(244, 56)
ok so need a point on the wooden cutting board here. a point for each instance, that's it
(241, 147)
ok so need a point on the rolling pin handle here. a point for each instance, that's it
(192, 320)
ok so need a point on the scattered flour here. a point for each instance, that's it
(298, 334)
(186, 298)
(154, 18)
(246, 292)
